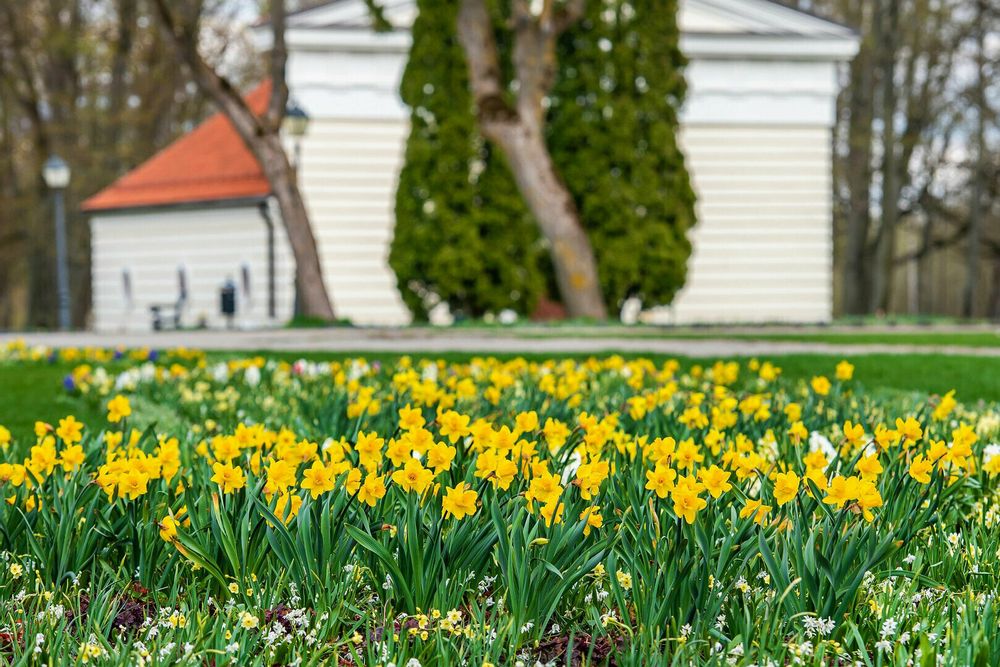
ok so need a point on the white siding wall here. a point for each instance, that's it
(211, 244)
(349, 173)
(762, 247)
(758, 147)
(755, 129)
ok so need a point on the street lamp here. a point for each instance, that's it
(295, 124)
(56, 174)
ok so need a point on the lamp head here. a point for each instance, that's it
(56, 173)
(296, 121)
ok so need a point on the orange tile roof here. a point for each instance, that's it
(210, 163)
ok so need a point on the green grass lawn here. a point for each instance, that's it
(979, 338)
(973, 378)
(961, 338)
(841, 333)
(35, 392)
(899, 330)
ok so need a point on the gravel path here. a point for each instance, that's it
(486, 341)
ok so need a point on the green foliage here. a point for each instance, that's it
(612, 133)
(463, 233)
(462, 230)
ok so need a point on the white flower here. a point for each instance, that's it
(220, 372)
(571, 467)
(818, 626)
(252, 376)
(819, 441)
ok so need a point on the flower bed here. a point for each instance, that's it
(254, 511)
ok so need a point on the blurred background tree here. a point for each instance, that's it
(463, 233)
(95, 82)
(613, 125)
(917, 158)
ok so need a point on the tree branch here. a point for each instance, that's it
(475, 33)
(933, 244)
(185, 39)
(568, 14)
(534, 59)
(379, 22)
(933, 206)
(279, 57)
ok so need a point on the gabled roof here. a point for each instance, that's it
(755, 17)
(353, 14)
(715, 16)
(709, 29)
(210, 163)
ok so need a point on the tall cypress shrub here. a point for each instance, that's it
(612, 132)
(463, 235)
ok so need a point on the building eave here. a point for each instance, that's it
(234, 202)
(767, 46)
(345, 39)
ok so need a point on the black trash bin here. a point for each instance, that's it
(227, 301)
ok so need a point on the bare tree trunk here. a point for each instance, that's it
(925, 279)
(858, 178)
(15, 270)
(554, 209)
(994, 310)
(970, 293)
(284, 185)
(262, 136)
(116, 95)
(888, 24)
(519, 133)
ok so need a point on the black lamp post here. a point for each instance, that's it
(56, 174)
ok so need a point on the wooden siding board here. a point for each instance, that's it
(761, 247)
(763, 242)
(210, 244)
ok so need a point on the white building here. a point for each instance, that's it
(756, 130)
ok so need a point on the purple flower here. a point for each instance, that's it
(69, 383)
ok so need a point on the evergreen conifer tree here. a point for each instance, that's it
(612, 132)
(463, 235)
